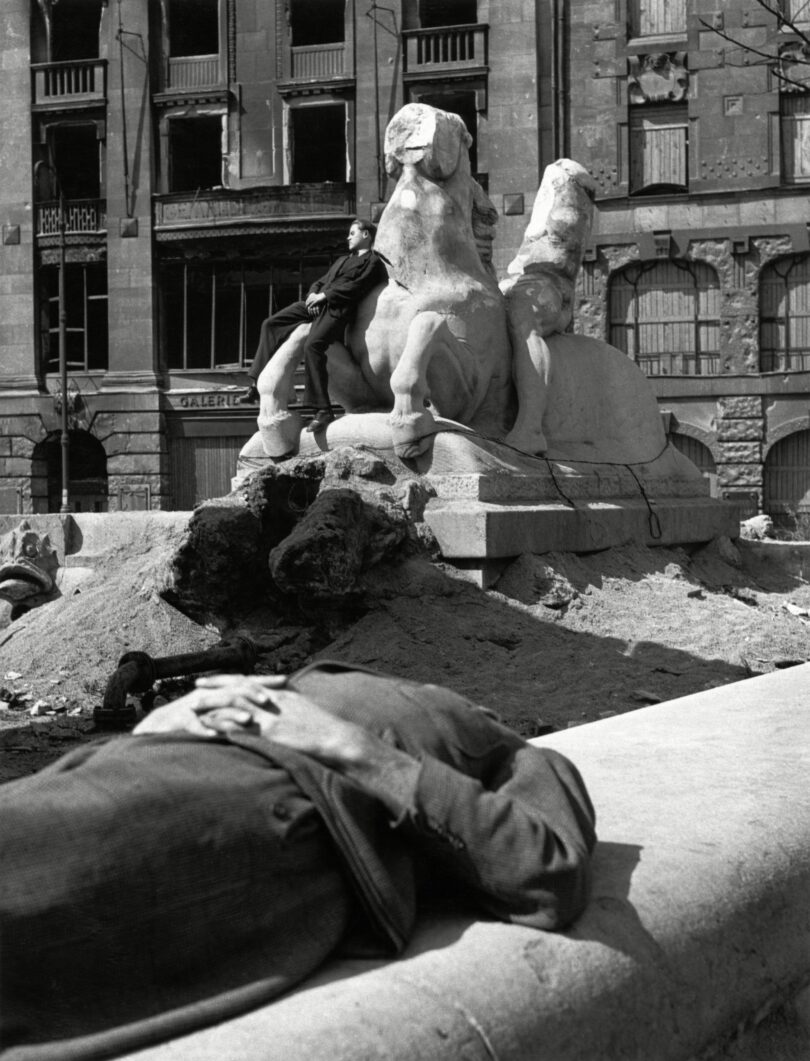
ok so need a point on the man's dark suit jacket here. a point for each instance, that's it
(159, 883)
(348, 280)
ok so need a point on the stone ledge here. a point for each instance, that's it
(700, 913)
(475, 529)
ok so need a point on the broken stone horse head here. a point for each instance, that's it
(28, 567)
(434, 340)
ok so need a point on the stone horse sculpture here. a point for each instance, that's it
(435, 339)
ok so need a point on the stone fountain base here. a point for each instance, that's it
(493, 502)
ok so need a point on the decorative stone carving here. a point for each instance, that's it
(792, 67)
(28, 567)
(661, 77)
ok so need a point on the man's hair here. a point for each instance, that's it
(366, 226)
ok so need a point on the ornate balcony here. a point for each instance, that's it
(445, 51)
(58, 86)
(82, 217)
(209, 213)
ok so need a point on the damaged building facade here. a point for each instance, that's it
(694, 119)
(188, 166)
(197, 163)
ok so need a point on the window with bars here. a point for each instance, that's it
(211, 314)
(86, 331)
(665, 315)
(784, 315)
(659, 141)
(657, 18)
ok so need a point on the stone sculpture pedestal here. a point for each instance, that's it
(494, 503)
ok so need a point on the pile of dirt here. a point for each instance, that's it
(560, 640)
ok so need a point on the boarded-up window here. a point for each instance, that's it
(203, 467)
(700, 455)
(795, 129)
(652, 18)
(665, 316)
(796, 10)
(784, 301)
(786, 476)
(659, 148)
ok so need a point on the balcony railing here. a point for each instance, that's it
(318, 62)
(78, 81)
(226, 208)
(81, 216)
(189, 72)
(445, 49)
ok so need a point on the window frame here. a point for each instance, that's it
(706, 361)
(781, 359)
(672, 116)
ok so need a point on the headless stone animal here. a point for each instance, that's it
(434, 340)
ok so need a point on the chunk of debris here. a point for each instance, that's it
(757, 528)
(795, 609)
(644, 696)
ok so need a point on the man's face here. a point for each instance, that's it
(358, 239)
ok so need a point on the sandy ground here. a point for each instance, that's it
(561, 640)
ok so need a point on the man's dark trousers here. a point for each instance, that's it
(326, 329)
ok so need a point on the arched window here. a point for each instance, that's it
(665, 315)
(784, 307)
(700, 455)
(786, 477)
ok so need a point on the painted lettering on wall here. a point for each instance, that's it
(208, 401)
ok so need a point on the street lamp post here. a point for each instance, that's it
(63, 380)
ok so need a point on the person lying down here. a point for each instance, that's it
(169, 879)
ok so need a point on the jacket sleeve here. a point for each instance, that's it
(345, 291)
(322, 281)
(515, 825)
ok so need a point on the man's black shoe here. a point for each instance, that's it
(321, 420)
(250, 397)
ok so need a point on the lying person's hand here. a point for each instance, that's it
(232, 701)
(295, 721)
(282, 715)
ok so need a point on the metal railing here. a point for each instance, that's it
(449, 47)
(80, 80)
(318, 62)
(81, 216)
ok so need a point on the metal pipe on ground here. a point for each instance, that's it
(137, 672)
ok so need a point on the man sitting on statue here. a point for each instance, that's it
(330, 305)
(156, 883)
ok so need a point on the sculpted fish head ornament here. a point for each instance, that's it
(28, 566)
